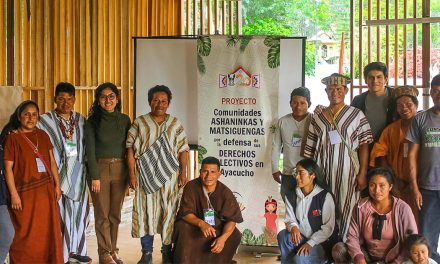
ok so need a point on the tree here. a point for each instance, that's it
(296, 18)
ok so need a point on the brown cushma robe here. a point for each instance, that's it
(190, 246)
(38, 237)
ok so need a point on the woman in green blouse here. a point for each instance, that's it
(105, 133)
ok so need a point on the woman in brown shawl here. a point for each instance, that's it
(32, 178)
(205, 229)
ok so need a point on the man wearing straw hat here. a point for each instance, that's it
(338, 141)
(391, 150)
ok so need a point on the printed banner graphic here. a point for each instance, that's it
(238, 79)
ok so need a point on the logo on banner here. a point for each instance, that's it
(240, 77)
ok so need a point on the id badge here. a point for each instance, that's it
(335, 138)
(208, 214)
(40, 165)
(296, 142)
(71, 149)
(296, 139)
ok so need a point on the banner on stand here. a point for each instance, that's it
(238, 81)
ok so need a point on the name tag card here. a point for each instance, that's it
(296, 142)
(335, 138)
(208, 214)
(40, 165)
(71, 149)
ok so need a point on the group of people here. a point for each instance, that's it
(361, 181)
(358, 181)
(48, 161)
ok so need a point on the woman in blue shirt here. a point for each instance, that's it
(6, 227)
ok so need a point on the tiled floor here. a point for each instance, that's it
(130, 250)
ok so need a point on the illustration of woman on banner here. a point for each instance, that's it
(270, 208)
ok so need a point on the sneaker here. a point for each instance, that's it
(146, 258)
(106, 259)
(75, 258)
(116, 258)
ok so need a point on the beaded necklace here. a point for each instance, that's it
(68, 128)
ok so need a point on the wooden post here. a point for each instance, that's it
(10, 43)
(426, 52)
(48, 54)
(125, 66)
(341, 54)
(2, 46)
(239, 19)
(352, 48)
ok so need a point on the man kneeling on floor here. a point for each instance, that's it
(205, 230)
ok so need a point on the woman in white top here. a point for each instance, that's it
(311, 230)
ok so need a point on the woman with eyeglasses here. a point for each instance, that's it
(105, 133)
(33, 182)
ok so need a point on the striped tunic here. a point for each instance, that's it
(155, 213)
(74, 206)
(337, 166)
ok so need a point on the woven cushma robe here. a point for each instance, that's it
(37, 227)
(337, 166)
(74, 206)
(154, 213)
(190, 246)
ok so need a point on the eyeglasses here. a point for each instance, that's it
(111, 97)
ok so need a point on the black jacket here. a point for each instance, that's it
(359, 102)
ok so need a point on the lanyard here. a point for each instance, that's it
(334, 116)
(35, 148)
(207, 198)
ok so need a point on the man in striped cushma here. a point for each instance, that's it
(338, 141)
(154, 207)
(65, 129)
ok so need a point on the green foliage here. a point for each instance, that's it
(201, 64)
(294, 17)
(273, 55)
(260, 240)
(203, 49)
(231, 41)
(310, 59)
(435, 28)
(266, 26)
(248, 238)
(201, 151)
(204, 45)
(244, 42)
(297, 18)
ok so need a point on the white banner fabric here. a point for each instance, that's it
(238, 83)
